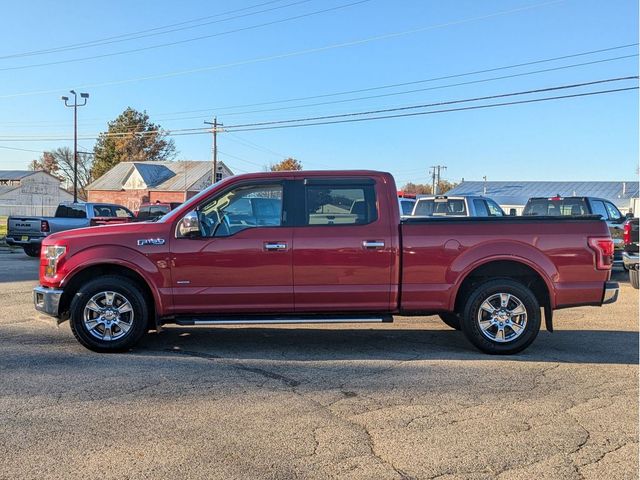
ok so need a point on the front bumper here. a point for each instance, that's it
(611, 290)
(47, 300)
(630, 260)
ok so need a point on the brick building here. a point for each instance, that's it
(133, 183)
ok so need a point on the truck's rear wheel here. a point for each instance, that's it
(109, 314)
(501, 317)
(451, 319)
(32, 250)
(633, 278)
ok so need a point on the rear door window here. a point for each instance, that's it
(481, 208)
(340, 205)
(599, 209)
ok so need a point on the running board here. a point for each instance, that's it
(264, 320)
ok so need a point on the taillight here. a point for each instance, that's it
(626, 236)
(44, 226)
(603, 246)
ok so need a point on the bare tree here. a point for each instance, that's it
(59, 162)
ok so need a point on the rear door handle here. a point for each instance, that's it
(372, 244)
(275, 246)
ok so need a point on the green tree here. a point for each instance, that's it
(286, 164)
(131, 137)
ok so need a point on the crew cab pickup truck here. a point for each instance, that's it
(456, 206)
(28, 232)
(328, 246)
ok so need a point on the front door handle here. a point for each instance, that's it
(275, 246)
(372, 244)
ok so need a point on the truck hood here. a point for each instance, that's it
(125, 234)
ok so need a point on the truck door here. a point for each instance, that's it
(239, 261)
(343, 252)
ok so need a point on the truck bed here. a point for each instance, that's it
(437, 253)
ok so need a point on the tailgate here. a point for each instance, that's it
(17, 226)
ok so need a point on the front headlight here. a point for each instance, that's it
(52, 254)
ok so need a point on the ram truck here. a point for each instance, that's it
(28, 232)
(321, 247)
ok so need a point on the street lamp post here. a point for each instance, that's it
(75, 106)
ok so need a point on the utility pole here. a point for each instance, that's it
(484, 185)
(435, 172)
(75, 106)
(214, 150)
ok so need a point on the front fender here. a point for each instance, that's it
(125, 257)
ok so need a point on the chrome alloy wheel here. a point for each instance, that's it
(502, 317)
(108, 316)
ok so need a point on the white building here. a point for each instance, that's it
(25, 192)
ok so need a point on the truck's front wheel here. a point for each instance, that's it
(501, 317)
(109, 314)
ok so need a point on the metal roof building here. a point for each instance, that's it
(515, 194)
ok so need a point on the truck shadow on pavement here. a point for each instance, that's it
(311, 344)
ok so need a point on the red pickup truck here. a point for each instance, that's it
(316, 247)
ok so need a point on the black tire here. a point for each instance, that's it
(451, 319)
(489, 290)
(633, 278)
(137, 322)
(32, 250)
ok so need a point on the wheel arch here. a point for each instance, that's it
(513, 268)
(82, 276)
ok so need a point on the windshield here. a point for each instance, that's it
(556, 207)
(426, 207)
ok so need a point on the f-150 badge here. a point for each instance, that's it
(151, 241)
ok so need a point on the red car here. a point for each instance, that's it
(326, 246)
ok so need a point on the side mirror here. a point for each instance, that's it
(189, 226)
(512, 212)
(628, 215)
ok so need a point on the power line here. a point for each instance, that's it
(414, 82)
(380, 87)
(288, 54)
(406, 92)
(476, 107)
(427, 105)
(327, 119)
(187, 40)
(146, 33)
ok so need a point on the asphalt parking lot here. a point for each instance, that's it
(405, 400)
